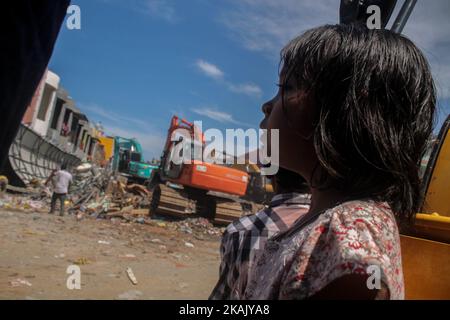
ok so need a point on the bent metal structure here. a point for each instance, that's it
(33, 157)
(53, 131)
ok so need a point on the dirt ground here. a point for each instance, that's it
(37, 248)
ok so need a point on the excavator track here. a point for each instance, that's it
(227, 212)
(177, 203)
(168, 201)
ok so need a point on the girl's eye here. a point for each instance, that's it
(284, 87)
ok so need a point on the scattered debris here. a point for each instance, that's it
(131, 276)
(98, 194)
(140, 220)
(19, 203)
(137, 189)
(186, 229)
(177, 256)
(81, 261)
(130, 295)
(83, 168)
(20, 283)
(189, 245)
(3, 184)
(29, 232)
(183, 285)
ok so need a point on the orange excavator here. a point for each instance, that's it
(183, 188)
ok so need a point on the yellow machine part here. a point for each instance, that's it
(433, 226)
(252, 168)
(426, 263)
(426, 268)
(108, 144)
(246, 167)
(269, 188)
(426, 252)
(433, 222)
(437, 198)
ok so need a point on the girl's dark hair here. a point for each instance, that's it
(375, 101)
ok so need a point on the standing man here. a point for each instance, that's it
(61, 180)
(244, 240)
(3, 185)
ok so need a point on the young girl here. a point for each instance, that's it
(355, 109)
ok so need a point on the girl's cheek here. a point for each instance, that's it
(301, 117)
(277, 120)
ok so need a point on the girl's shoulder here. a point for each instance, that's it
(347, 239)
(368, 221)
(361, 211)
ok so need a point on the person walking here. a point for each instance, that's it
(61, 180)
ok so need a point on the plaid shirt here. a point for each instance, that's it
(244, 239)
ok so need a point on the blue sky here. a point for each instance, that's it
(135, 63)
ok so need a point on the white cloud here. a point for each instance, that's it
(246, 88)
(217, 115)
(213, 71)
(151, 139)
(152, 142)
(267, 25)
(429, 28)
(92, 108)
(163, 9)
(209, 69)
(156, 9)
(112, 116)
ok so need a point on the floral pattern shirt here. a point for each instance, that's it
(351, 238)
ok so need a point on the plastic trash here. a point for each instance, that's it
(20, 283)
(189, 245)
(131, 276)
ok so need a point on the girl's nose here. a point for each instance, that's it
(267, 108)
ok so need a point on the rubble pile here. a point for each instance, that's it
(34, 198)
(89, 183)
(88, 189)
(198, 226)
(96, 193)
(24, 204)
